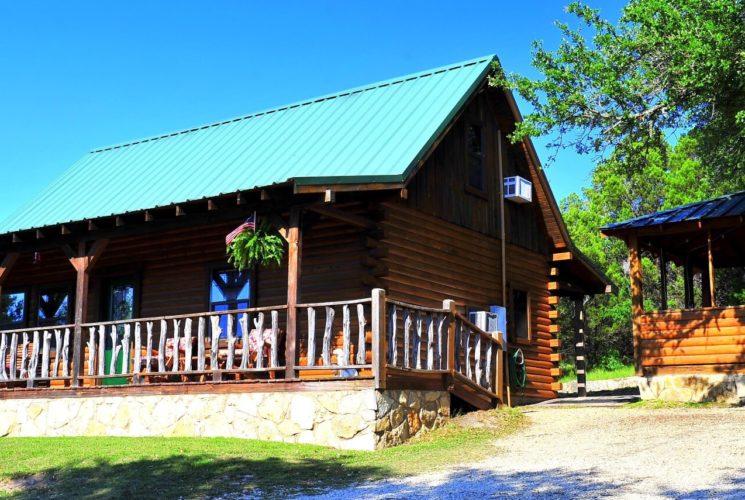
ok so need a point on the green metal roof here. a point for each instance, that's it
(373, 133)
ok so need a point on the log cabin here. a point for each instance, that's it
(406, 211)
(695, 352)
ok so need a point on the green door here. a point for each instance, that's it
(120, 304)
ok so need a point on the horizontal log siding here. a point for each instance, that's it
(708, 340)
(528, 271)
(173, 268)
(429, 260)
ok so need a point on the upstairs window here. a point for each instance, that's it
(475, 158)
(54, 307)
(12, 310)
(230, 289)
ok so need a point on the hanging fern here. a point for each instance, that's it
(262, 246)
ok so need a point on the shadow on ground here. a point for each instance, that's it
(549, 483)
(189, 476)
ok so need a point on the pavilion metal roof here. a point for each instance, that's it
(731, 205)
(374, 133)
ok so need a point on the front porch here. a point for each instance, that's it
(387, 360)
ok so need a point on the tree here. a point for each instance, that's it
(616, 194)
(666, 65)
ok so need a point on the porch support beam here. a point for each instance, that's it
(637, 299)
(349, 218)
(83, 261)
(5, 266)
(294, 256)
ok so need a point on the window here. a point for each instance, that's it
(521, 315)
(475, 158)
(54, 307)
(13, 310)
(230, 289)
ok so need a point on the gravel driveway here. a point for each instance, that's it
(596, 452)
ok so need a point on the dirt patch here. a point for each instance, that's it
(20, 484)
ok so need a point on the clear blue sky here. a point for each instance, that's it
(82, 74)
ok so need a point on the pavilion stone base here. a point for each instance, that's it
(694, 388)
(363, 419)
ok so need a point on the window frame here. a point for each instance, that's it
(511, 323)
(47, 287)
(481, 190)
(218, 267)
(24, 321)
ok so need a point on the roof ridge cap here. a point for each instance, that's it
(313, 100)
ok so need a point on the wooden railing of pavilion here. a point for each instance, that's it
(354, 339)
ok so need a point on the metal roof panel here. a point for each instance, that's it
(373, 133)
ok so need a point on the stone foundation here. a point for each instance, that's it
(363, 419)
(404, 414)
(694, 388)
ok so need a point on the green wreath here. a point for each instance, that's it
(262, 246)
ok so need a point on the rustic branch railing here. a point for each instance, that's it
(35, 354)
(417, 336)
(423, 339)
(335, 338)
(478, 355)
(213, 343)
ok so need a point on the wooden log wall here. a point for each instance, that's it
(429, 260)
(173, 269)
(708, 340)
(529, 271)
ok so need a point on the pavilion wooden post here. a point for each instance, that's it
(379, 337)
(580, 362)
(294, 257)
(710, 253)
(83, 262)
(663, 280)
(688, 283)
(637, 299)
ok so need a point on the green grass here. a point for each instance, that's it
(597, 373)
(207, 467)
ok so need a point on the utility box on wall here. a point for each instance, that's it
(518, 189)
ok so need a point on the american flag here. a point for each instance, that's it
(249, 223)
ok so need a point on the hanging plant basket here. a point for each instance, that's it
(262, 246)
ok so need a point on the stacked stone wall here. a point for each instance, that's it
(363, 419)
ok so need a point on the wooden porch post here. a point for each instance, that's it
(294, 256)
(637, 299)
(580, 362)
(83, 263)
(663, 280)
(379, 337)
(713, 298)
(688, 283)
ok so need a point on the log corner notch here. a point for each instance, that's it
(83, 261)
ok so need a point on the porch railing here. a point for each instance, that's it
(336, 340)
